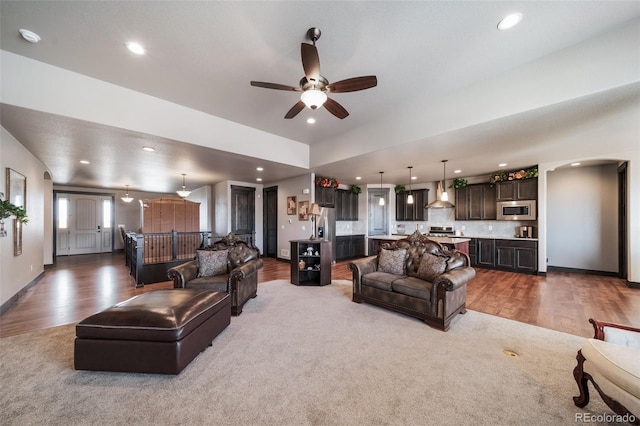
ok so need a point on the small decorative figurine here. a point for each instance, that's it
(309, 251)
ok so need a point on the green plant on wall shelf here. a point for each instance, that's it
(7, 209)
(399, 189)
(458, 183)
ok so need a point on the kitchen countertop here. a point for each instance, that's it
(441, 240)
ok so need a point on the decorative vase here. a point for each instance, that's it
(301, 264)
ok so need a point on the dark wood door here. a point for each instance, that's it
(242, 210)
(270, 222)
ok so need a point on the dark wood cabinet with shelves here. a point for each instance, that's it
(346, 203)
(526, 189)
(476, 202)
(486, 252)
(316, 255)
(349, 246)
(415, 211)
(325, 197)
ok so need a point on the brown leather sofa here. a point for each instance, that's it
(239, 279)
(428, 281)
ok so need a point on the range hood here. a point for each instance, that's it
(439, 203)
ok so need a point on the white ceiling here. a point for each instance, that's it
(450, 85)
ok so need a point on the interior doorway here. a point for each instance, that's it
(270, 221)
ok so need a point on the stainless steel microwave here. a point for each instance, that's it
(517, 210)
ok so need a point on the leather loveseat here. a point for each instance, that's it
(230, 265)
(415, 276)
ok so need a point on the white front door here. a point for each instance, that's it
(84, 224)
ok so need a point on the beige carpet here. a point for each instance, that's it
(310, 356)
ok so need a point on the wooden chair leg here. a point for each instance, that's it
(581, 379)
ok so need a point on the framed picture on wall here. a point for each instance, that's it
(16, 188)
(291, 205)
(303, 210)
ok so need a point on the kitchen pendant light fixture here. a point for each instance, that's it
(126, 198)
(410, 196)
(442, 198)
(183, 193)
(381, 202)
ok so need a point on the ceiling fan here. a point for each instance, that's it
(315, 87)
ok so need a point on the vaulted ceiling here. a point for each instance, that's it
(450, 86)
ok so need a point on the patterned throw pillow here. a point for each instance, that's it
(392, 261)
(211, 262)
(431, 266)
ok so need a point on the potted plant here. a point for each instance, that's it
(355, 189)
(399, 189)
(8, 209)
(458, 183)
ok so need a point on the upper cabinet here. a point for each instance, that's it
(476, 202)
(514, 190)
(325, 197)
(415, 211)
(346, 203)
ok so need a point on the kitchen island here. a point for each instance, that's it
(458, 243)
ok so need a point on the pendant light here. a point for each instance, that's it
(410, 196)
(184, 193)
(126, 198)
(381, 202)
(441, 202)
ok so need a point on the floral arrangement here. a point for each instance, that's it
(503, 175)
(8, 209)
(355, 189)
(458, 183)
(327, 182)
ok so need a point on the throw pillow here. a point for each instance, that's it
(211, 262)
(431, 266)
(392, 261)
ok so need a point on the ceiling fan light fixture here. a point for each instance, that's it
(313, 98)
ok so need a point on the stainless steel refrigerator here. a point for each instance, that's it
(327, 229)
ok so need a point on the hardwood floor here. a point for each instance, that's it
(78, 286)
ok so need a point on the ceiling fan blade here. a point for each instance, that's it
(295, 110)
(275, 86)
(310, 62)
(353, 84)
(335, 108)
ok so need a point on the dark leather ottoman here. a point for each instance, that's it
(161, 331)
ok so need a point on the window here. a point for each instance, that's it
(63, 213)
(106, 213)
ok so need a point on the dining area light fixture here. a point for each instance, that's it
(126, 198)
(381, 201)
(410, 196)
(183, 192)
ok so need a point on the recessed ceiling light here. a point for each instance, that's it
(414, 177)
(136, 48)
(510, 21)
(457, 171)
(30, 36)
(575, 164)
(311, 120)
(259, 179)
(148, 148)
(358, 177)
(84, 162)
(259, 169)
(502, 164)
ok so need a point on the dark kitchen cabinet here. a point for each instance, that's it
(514, 190)
(476, 202)
(346, 205)
(473, 251)
(325, 197)
(415, 211)
(349, 246)
(517, 255)
(486, 252)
